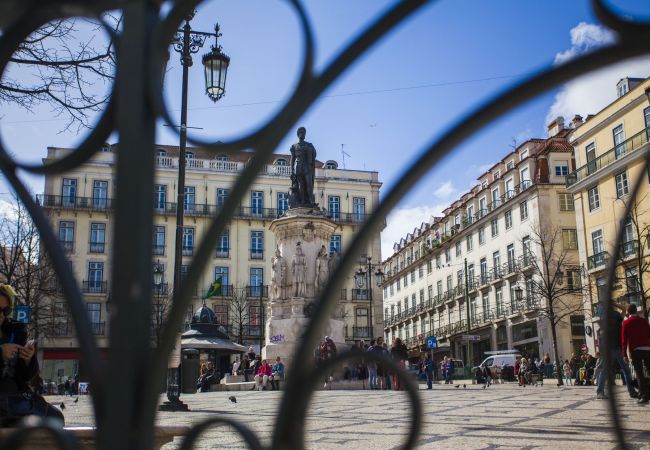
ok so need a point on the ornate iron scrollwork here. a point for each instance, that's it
(125, 411)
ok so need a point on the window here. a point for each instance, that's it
(481, 236)
(421, 271)
(525, 246)
(222, 158)
(484, 271)
(482, 207)
(160, 196)
(221, 314)
(256, 281)
(392, 289)
(486, 304)
(447, 255)
(439, 287)
(497, 174)
(470, 243)
(510, 190)
(69, 192)
(573, 279)
(438, 262)
(188, 241)
(413, 301)
(95, 277)
(97, 237)
(189, 198)
(622, 188)
(257, 244)
(569, 239)
(406, 280)
(335, 244)
(496, 199)
(628, 247)
(619, 138)
(494, 225)
(511, 257)
(450, 283)
(359, 208)
(66, 235)
(334, 206)
(632, 285)
(222, 195)
(470, 214)
(100, 194)
(158, 244)
(257, 203)
(562, 168)
(223, 244)
(498, 295)
(397, 285)
(283, 203)
(578, 326)
(594, 198)
(458, 249)
(525, 178)
(413, 276)
(566, 202)
(523, 155)
(597, 243)
(508, 218)
(254, 321)
(496, 263)
(429, 266)
(523, 210)
(510, 165)
(430, 291)
(94, 311)
(590, 154)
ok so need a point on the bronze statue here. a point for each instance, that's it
(303, 168)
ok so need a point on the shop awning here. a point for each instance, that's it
(211, 342)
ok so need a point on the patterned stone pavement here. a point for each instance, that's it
(500, 417)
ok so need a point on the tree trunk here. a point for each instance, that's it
(557, 357)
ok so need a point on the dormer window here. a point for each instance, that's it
(497, 174)
(189, 155)
(510, 165)
(106, 148)
(281, 162)
(161, 152)
(523, 155)
(484, 184)
(222, 158)
(331, 165)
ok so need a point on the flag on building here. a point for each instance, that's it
(214, 289)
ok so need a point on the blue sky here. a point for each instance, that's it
(415, 83)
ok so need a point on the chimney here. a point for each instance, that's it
(576, 121)
(555, 126)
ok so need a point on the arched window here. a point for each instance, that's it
(222, 158)
(161, 152)
(106, 147)
(189, 155)
(281, 162)
(331, 165)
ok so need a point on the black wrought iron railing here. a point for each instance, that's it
(126, 410)
(597, 260)
(359, 294)
(257, 291)
(94, 287)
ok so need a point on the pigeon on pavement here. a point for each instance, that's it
(457, 386)
(232, 399)
(464, 386)
(76, 400)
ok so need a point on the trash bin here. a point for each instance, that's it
(190, 367)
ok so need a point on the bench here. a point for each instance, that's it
(86, 437)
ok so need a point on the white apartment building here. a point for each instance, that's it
(490, 228)
(80, 205)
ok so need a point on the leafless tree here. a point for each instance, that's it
(63, 64)
(634, 254)
(28, 270)
(161, 305)
(239, 314)
(552, 275)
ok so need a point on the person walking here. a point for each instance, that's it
(427, 368)
(372, 366)
(400, 354)
(635, 335)
(387, 380)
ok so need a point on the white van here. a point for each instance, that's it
(496, 362)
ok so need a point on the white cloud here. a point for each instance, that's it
(590, 93)
(402, 221)
(7, 210)
(445, 190)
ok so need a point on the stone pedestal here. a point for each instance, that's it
(300, 235)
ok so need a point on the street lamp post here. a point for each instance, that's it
(364, 277)
(187, 42)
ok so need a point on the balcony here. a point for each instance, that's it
(97, 247)
(257, 291)
(222, 253)
(599, 260)
(98, 328)
(74, 202)
(68, 246)
(62, 329)
(360, 332)
(626, 147)
(631, 297)
(359, 294)
(158, 249)
(160, 289)
(629, 248)
(188, 251)
(94, 287)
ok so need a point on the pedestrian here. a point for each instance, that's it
(246, 367)
(548, 366)
(443, 369)
(575, 367)
(487, 377)
(399, 353)
(449, 371)
(235, 366)
(567, 372)
(636, 336)
(251, 353)
(387, 380)
(427, 368)
(616, 355)
(372, 366)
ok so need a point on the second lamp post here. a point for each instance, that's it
(363, 277)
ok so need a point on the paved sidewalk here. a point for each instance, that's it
(502, 416)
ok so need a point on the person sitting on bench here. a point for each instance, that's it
(277, 374)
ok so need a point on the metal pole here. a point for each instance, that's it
(467, 315)
(369, 279)
(261, 318)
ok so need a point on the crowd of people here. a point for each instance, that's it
(262, 372)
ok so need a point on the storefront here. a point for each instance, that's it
(525, 338)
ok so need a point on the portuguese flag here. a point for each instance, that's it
(214, 289)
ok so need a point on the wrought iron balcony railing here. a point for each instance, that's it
(629, 248)
(598, 260)
(257, 291)
(94, 287)
(359, 294)
(624, 148)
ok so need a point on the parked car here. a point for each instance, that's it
(501, 366)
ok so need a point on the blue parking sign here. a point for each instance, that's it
(432, 342)
(22, 313)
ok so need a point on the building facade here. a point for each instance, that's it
(611, 148)
(484, 242)
(80, 205)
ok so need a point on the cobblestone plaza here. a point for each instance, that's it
(502, 416)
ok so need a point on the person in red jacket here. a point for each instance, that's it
(262, 377)
(636, 335)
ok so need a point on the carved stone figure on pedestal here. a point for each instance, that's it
(279, 277)
(303, 168)
(322, 268)
(298, 269)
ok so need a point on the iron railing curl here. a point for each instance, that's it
(125, 412)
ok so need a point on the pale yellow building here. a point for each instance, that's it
(610, 151)
(80, 205)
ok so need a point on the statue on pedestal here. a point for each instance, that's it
(298, 269)
(279, 277)
(322, 268)
(303, 169)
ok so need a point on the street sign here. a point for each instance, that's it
(432, 342)
(471, 337)
(584, 348)
(22, 313)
